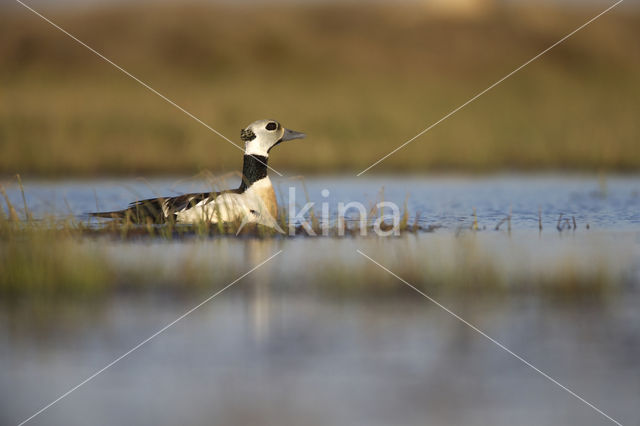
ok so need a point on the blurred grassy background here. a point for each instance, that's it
(359, 80)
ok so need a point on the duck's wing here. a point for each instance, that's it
(161, 209)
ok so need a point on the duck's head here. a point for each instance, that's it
(262, 135)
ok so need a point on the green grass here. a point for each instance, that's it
(358, 81)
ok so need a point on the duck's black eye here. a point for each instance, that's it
(272, 125)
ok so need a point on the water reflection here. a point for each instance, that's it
(291, 359)
(259, 295)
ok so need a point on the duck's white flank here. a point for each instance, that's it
(256, 204)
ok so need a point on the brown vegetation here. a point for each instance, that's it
(358, 81)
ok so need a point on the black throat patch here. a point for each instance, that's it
(253, 169)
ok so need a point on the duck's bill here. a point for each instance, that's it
(291, 134)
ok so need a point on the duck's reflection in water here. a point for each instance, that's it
(258, 287)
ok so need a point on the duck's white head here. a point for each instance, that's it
(262, 135)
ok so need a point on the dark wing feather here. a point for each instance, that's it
(161, 210)
(151, 210)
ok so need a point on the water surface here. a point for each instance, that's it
(259, 356)
(320, 336)
(611, 203)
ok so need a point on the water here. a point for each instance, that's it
(611, 203)
(258, 356)
(285, 346)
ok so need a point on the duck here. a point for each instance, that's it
(254, 201)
